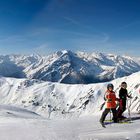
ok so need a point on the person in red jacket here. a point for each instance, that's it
(110, 104)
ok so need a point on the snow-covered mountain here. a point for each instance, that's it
(63, 100)
(68, 67)
(26, 104)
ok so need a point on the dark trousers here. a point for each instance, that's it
(106, 111)
(121, 109)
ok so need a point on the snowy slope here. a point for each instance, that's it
(87, 128)
(73, 112)
(68, 67)
(65, 101)
(16, 112)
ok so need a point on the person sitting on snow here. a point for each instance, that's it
(110, 104)
(123, 94)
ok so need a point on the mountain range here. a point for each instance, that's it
(69, 67)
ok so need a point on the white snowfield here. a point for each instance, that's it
(16, 125)
(37, 110)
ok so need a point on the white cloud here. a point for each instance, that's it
(76, 22)
(127, 26)
(14, 38)
(44, 49)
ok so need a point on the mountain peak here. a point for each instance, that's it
(63, 52)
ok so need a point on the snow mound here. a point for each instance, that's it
(16, 112)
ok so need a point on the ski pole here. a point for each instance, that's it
(110, 117)
(128, 107)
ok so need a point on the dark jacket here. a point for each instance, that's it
(123, 94)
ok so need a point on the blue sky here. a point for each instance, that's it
(45, 26)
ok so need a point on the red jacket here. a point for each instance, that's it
(110, 99)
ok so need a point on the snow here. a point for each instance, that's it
(66, 100)
(13, 111)
(13, 127)
(18, 123)
(32, 109)
(69, 67)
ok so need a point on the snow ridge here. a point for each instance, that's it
(57, 100)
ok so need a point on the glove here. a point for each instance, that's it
(109, 100)
(117, 99)
(129, 96)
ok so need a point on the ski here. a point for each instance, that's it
(125, 122)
